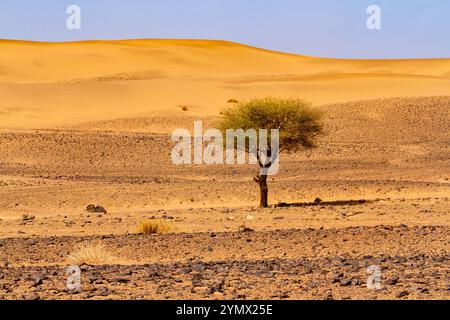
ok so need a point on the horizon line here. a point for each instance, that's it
(212, 40)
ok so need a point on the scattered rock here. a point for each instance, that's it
(216, 288)
(103, 292)
(283, 295)
(198, 267)
(26, 218)
(185, 270)
(126, 273)
(119, 279)
(338, 259)
(31, 296)
(346, 282)
(391, 281)
(95, 209)
(32, 242)
(328, 296)
(37, 279)
(402, 294)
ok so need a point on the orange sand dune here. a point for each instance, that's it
(48, 85)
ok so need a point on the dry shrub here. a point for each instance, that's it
(91, 253)
(154, 227)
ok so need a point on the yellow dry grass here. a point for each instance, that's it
(154, 227)
(94, 253)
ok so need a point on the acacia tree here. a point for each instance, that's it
(296, 122)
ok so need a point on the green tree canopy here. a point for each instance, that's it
(299, 125)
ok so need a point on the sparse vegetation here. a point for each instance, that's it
(91, 253)
(232, 101)
(298, 124)
(184, 108)
(154, 227)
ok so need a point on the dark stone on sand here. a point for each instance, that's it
(402, 294)
(31, 296)
(95, 209)
(391, 281)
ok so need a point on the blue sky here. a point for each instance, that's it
(331, 28)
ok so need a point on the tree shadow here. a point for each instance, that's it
(319, 203)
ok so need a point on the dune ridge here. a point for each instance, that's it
(48, 85)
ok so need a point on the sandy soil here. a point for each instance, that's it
(96, 131)
(287, 264)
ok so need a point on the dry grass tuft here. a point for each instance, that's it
(91, 253)
(154, 227)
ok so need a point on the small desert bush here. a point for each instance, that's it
(154, 227)
(91, 253)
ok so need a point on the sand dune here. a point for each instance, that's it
(46, 85)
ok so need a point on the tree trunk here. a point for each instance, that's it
(264, 191)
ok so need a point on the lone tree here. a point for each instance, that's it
(298, 126)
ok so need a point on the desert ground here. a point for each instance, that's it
(89, 123)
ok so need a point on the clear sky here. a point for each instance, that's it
(332, 28)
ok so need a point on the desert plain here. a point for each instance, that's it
(89, 123)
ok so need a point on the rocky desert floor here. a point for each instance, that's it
(382, 172)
